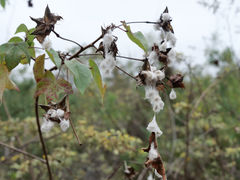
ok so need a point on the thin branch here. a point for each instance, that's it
(6, 109)
(41, 139)
(126, 73)
(138, 22)
(135, 59)
(23, 152)
(66, 39)
(86, 47)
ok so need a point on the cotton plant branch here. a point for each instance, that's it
(23, 152)
(41, 139)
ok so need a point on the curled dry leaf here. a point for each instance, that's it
(176, 81)
(45, 25)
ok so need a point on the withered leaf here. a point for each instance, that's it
(176, 81)
(45, 25)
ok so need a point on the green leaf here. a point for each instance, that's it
(138, 38)
(16, 39)
(5, 82)
(81, 73)
(21, 28)
(12, 53)
(38, 68)
(52, 87)
(53, 55)
(29, 36)
(3, 3)
(97, 77)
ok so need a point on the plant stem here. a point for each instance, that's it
(126, 72)
(41, 139)
(23, 152)
(66, 39)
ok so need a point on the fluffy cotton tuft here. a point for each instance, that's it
(163, 46)
(153, 127)
(153, 59)
(107, 39)
(107, 65)
(52, 113)
(64, 124)
(172, 94)
(150, 92)
(166, 17)
(152, 154)
(47, 44)
(157, 174)
(60, 113)
(160, 74)
(171, 38)
(47, 125)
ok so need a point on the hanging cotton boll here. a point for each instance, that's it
(60, 113)
(160, 74)
(171, 38)
(150, 92)
(172, 55)
(157, 174)
(64, 124)
(172, 94)
(47, 44)
(107, 39)
(47, 125)
(153, 68)
(163, 46)
(166, 17)
(52, 113)
(153, 58)
(153, 127)
(151, 78)
(152, 154)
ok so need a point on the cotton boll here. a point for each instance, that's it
(171, 38)
(107, 39)
(52, 113)
(159, 74)
(153, 127)
(150, 92)
(163, 46)
(172, 94)
(47, 125)
(60, 113)
(166, 17)
(47, 44)
(153, 68)
(152, 154)
(64, 124)
(153, 58)
(172, 55)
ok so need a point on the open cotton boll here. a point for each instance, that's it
(153, 58)
(153, 127)
(152, 154)
(171, 38)
(107, 39)
(163, 46)
(172, 94)
(150, 92)
(172, 55)
(166, 17)
(64, 124)
(60, 113)
(151, 78)
(52, 113)
(46, 125)
(160, 74)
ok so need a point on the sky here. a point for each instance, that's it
(82, 20)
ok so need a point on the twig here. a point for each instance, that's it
(6, 109)
(138, 22)
(126, 73)
(23, 152)
(84, 48)
(135, 59)
(41, 139)
(66, 39)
